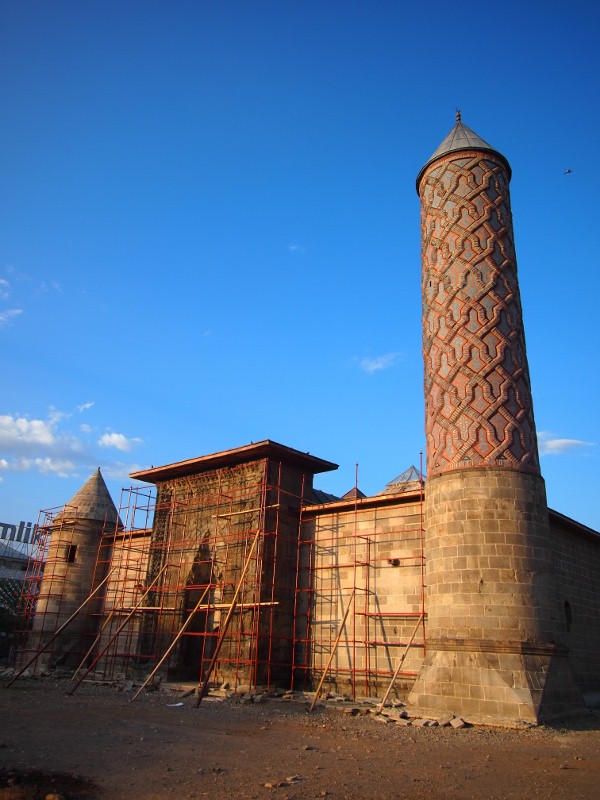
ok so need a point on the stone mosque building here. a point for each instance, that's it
(464, 592)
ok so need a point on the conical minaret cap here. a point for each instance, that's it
(461, 137)
(93, 502)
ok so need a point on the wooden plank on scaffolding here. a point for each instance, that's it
(379, 708)
(221, 606)
(331, 655)
(202, 686)
(244, 606)
(222, 514)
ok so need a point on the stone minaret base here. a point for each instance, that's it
(518, 682)
(494, 623)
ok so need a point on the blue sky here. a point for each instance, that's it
(209, 230)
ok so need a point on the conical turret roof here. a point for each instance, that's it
(93, 501)
(461, 137)
(354, 494)
(407, 480)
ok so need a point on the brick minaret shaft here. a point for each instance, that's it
(493, 621)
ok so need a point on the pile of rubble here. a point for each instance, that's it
(394, 712)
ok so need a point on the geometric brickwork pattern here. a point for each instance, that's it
(477, 391)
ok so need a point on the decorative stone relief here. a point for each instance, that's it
(477, 391)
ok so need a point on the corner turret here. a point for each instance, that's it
(71, 570)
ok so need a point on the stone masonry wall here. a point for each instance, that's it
(128, 556)
(66, 584)
(378, 551)
(494, 627)
(279, 572)
(490, 568)
(203, 527)
(577, 557)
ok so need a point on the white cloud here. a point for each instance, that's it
(7, 316)
(49, 286)
(371, 365)
(296, 248)
(25, 438)
(49, 447)
(55, 415)
(17, 275)
(18, 431)
(120, 471)
(4, 289)
(119, 441)
(85, 406)
(62, 467)
(46, 465)
(551, 445)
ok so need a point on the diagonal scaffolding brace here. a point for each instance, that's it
(399, 667)
(331, 655)
(57, 633)
(117, 632)
(182, 630)
(202, 688)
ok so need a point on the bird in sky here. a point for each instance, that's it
(567, 172)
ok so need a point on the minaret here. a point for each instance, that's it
(68, 573)
(493, 621)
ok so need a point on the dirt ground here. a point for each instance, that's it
(98, 745)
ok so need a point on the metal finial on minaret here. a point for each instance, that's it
(458, 115)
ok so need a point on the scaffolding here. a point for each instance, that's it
(182, 557)
(361, 563)
(56, 588)
(234, 575)
(124, 549)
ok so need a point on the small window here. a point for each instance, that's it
(568, 615)
(68, 553)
